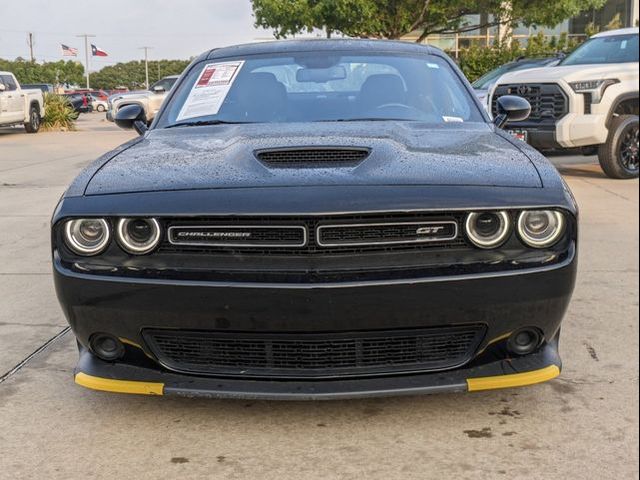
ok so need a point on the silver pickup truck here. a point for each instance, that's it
(150, 100)
(20, 106)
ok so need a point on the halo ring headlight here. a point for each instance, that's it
(488, 229)
(87, 236)
(138, 236)
(541, 228)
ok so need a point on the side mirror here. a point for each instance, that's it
(511, 109)
(2, 87)
(132, 116)
(159, 89)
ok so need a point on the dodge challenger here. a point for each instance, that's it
(314, 220)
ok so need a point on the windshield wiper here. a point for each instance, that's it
(200, 123)
(369, 119)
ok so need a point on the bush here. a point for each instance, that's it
(476, 61)
(58, 113)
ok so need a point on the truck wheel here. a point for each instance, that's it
(33, 125)
(619, 155)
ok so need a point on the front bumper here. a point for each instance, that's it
(503, 302)
(517, 372)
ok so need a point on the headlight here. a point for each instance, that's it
(87, 236)
(138, 235)
(488, 229)
(541, 228)
(594, 87)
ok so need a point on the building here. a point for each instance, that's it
(626, 11)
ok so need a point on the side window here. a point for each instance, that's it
(9, 83)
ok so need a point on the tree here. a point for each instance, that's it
(132, 74)
(55, 73)
(396, 18)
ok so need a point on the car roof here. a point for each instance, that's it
(620, 31)
(313, 45)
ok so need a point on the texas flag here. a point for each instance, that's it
(96, 52)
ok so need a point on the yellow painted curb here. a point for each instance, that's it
(513, 379)
(119, 386)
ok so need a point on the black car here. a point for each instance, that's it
(483, 84)
(80, 102)
(317, 219)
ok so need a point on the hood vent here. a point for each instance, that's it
(317, 157)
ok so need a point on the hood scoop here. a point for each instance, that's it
(314, 157)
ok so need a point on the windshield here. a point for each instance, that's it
(165, 83)
(609, 49)
(321, 87)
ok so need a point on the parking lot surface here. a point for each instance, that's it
(582, 425)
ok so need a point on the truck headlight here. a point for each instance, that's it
(87, 236)
(594, 87)
(541, 228)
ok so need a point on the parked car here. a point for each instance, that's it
(81, 102)
(98, 104)
(44, 87)
(150, 100)
(588, 102)
(19, 106)
(317, 219)
(484, 83)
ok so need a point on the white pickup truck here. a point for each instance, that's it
(587, 103)
(18, 106)
(150, 100)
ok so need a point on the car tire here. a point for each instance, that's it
(100, 108)
(35, 120)
(619, 154)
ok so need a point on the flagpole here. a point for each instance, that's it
(86, 54)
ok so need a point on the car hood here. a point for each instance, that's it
(568, 73)
(402, 153)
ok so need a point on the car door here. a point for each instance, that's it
(12, 108)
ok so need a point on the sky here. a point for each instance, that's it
(176, 29)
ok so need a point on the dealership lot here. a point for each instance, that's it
(583, 424)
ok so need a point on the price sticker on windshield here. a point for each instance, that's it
(210, 90)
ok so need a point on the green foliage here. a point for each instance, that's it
(476, 61)
(61, 72)
(58, 114)
(396, 18)
(132, 74)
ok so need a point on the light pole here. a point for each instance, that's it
(86, 37)
(146, 65)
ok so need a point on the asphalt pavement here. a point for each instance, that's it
(582, 425)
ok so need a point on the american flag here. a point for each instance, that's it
(69, 51)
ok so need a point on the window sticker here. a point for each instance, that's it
(433, 65)
(210, 90)
(623, 45)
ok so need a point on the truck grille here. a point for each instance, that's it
(548, 101)
(313, 354)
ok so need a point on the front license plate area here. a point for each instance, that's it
(520, 135)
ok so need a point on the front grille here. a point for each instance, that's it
(548, 101)
(238, 236)
(351, 234)
(386, 233)
(313, 354)
(313, 157)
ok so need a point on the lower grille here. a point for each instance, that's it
(312, 354)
